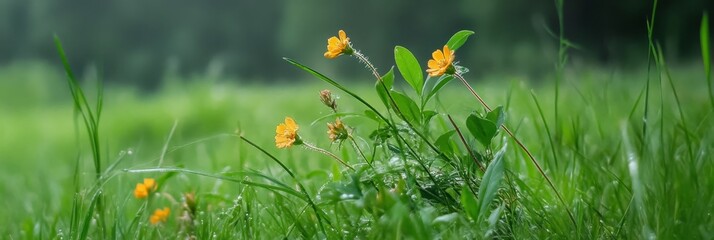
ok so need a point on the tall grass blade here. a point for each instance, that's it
(706, 54)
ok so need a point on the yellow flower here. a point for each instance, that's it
(441, 62)
(150, 183)
(337, 131)
(160, 215)
(142, 189)
(338, 46)
(286, 134)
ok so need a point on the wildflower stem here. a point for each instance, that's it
(371, 67)
(323, 151)
(302, 187)
(461, 136)
(540, 169)
(359, 150)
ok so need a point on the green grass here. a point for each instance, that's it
(617, 183)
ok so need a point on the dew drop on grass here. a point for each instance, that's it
(130, 151)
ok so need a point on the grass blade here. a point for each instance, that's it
(706, 54)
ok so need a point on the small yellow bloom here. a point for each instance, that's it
(150, 183)
(286, 134)
(338, 46)
(142, 190)
(337, 131)
(441, 62)
(160, 215)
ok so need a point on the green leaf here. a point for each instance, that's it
(458, 39)
(446, 219)
(388, 79)
(443, 142)
(407, 107)
(88, 216)
(335, 84)
(469, 203)
(409, 68)
(433, 85)
(704, 41)
(497, 115)
(372, 115)
(427, 115)
(490, 182)
(706, 57)
(482, 129)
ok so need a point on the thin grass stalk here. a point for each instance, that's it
(374, 71)
(466, 145)
(523, 147)
(302, 187)
(328, 153)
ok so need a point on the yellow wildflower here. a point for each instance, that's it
(441, 62)
(150, 183)
(286, 134)
(160, 215)
(338, 46)
(337, 131)
(142, 189)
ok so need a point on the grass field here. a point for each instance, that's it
(617, 177)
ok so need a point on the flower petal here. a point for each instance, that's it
(343, 35)
(433, 64)
(437, 55)
(291, 124)
(333, 41)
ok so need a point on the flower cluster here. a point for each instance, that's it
(142, 190)
(160, 215)
(337, 131)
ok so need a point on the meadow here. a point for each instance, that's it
(615, 154)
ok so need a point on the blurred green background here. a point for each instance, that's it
(205, 64)
(139, 42)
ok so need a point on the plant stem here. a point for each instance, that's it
(359, 150)
(540, 169)
(323, 151)
(468, 149)
(302, 188)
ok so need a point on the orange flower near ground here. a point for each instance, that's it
(338, 46)
(160, 215)
(441, 62)
(142, 190)
(150, 183)
(286, 133)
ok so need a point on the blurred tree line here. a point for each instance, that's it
(140, 42)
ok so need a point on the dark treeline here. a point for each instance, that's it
(141, 41)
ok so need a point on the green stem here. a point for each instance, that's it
(323, 151)
(533, 160)
(302, 187)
